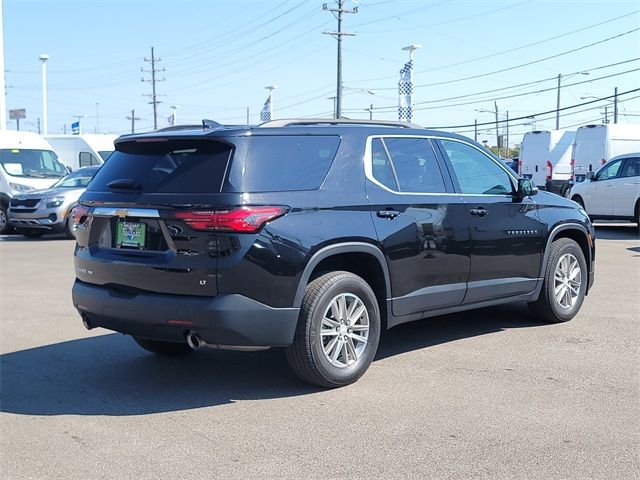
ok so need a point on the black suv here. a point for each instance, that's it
(315, 235)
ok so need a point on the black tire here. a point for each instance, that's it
(69, 232)
(306, 355)
(163, 348)
(4, 220)
(548, 308)
(32, 233)
(578, 200)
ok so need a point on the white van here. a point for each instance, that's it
(595, 145)
(27, 162)
(78, 151)
(545, 157)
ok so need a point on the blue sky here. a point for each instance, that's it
(219, 55)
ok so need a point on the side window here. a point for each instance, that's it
(415, 165)
(381, 165)
(631, 167)
(86, 159)
(610, 171)
(476, 172)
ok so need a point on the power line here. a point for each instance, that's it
(338, 36)
(153, 80)
(570, 107)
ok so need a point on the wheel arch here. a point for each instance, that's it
(359, 258)
(579, 234)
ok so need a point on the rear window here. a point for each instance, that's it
(283, 163)
(176, 166)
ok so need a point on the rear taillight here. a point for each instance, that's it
(549, 170)
(572, 164)
(519, 167)
(243, 219)
(79, 215)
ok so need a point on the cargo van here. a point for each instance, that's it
(545, 157)
(78, 151)
(595, 145)
(27, 162)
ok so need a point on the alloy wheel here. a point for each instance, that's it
(567, 279)
(344, 330)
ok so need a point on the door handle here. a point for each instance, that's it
(389, 214)
(479, 212)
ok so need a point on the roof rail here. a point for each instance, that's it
(178, 127)
(286, 122)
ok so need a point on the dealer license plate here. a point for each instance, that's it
(131, 235)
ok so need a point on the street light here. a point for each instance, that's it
(412, 48)
(558, 95)
(497, 128)
(614, 102)
(43, 58)
(174, 115)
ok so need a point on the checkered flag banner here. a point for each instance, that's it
(405, 90)
(265, 113)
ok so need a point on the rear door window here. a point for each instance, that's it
(631, 167)
(175, 166)
(283, 163)
(415, 164)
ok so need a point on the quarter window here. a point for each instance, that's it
(413, 166)
(476, 172)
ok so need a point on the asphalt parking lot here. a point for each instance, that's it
(486, 394)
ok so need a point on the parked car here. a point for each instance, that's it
(85, 150)
(545, 157)
(613, 193)
(316, 236)
(27, 162)
(49, 211)
(595, 145)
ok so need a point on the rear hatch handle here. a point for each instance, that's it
(127, 183)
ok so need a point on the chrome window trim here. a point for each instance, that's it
(368, 166)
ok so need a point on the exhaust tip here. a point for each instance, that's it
(193, 340)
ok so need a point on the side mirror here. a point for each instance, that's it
(591, 175)
(526, 188)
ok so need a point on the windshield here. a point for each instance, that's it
(31, 163)
(105, 154)
(78, 179)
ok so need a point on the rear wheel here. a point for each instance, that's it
(69, 231)
(338, 331)
(4, 224)
(565, 283)
(163, 348)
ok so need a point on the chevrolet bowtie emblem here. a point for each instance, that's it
(121, 213)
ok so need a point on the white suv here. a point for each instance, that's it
(613, 193)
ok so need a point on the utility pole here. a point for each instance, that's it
(153, 80)
(558, 103)
(247, 115)
(39, 132)
(507, 154)
(497, 131)
(475, 129)
(133, 119)
(370, 112)
(606, 114)
(615, 105)
(338, 36)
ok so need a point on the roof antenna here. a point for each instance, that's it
(207, 124)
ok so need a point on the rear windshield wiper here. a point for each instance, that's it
(128, 183)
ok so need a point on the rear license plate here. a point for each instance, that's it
(131, 235)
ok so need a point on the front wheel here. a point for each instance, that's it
(565, 283)
(4, 223)
(338, 331)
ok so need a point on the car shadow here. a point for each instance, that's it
(16, 237)
(616, 232)
(111, 375)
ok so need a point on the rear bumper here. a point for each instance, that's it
(224, 320)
